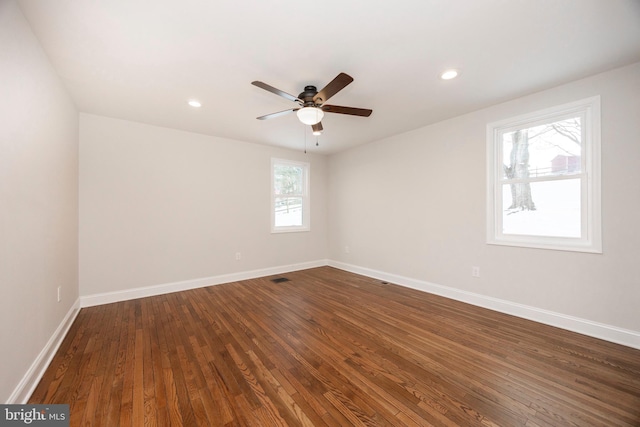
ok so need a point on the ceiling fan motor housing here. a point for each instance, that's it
(307, 96)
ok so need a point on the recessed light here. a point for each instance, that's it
(195, 103)
(449, 74)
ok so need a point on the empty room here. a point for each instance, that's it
(415, 213)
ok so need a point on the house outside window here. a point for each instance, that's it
(290, 204)
(543, 180)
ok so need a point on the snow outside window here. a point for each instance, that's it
(544, 179)
(289, 196)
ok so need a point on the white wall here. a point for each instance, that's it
(38, 200)
(159, 206)
(413, 205)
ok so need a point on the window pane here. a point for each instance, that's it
(288, 179)
(551, 149)
(554, 208)
(288, 211)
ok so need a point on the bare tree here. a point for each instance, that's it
(519, 169)
(569, 128)
(288, 185)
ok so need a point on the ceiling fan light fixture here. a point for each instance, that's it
(317, 132)
(310, 115)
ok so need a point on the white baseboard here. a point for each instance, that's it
(147, 291)
(613, 334)
(35, 372)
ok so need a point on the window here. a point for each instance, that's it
(290, 196)
(544, 179)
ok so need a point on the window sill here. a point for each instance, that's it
(289, 230)
(549, 244)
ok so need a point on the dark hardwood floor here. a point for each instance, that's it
(332, 348)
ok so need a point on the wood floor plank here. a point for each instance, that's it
(331, 348)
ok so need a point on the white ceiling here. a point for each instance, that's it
(141, 60)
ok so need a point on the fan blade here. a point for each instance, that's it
(363, 112)
(278, 114)
(335, 86)
(276, 91)
(317, 127)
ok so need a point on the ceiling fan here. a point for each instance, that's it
(312, 103)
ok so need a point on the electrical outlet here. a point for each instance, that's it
(238, 256)
(475, 271)
(347, 250)
(59, 293)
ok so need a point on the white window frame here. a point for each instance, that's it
(591, 234)
(306, 199)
